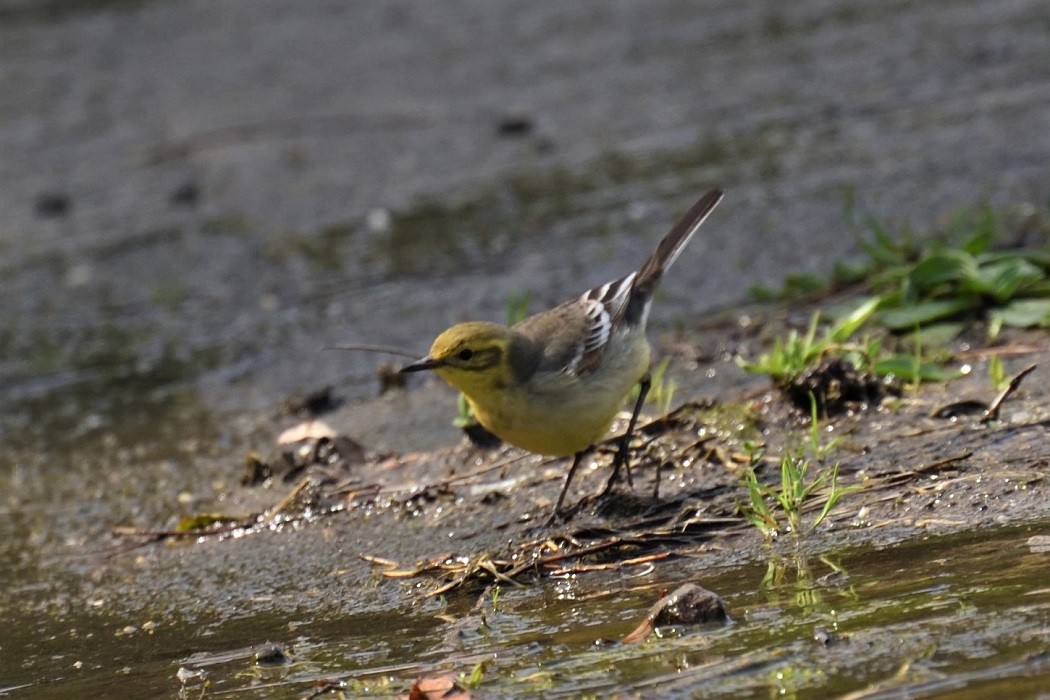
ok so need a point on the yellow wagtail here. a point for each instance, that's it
(553, 383)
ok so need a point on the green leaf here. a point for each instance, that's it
(996, 372)
(939, 268)
(937, 335)
(1004, 279)
(978, 243)
(1036, 256)
(909, 368)
(761, 292)
(995, 323)
(1025, 313)
(800, 284)
(851, 322)
(881, 248)
(473, 682)
(925, 312)
(1039, 289)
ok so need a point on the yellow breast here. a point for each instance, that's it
(549, 429)
(558, 414)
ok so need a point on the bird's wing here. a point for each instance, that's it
(613, 296)
(572, 338)
(575, 334)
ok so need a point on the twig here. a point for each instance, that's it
(288, 499)
(610, 566)
(993, 409)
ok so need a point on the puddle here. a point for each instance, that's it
(966, 615)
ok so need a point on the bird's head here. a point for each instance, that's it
(472, 357)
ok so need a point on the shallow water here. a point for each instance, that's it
(965, 615)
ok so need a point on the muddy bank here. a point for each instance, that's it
(926, 462)
(409, 547)
(196, 200)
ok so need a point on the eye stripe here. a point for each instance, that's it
(477, 359)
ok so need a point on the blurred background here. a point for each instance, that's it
(199, 199)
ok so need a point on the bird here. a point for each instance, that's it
(553, 383)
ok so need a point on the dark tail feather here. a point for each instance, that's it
(666, 253)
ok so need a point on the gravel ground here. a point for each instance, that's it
(214, 180)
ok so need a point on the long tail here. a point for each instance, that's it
(648, 277)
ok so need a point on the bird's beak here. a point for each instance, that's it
(424, 364)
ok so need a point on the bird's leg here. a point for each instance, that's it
(577, 458)
(623, 454)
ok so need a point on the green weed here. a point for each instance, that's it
(473, 681)
(661, 389)
(517, 307)
(996, 373)
(797, 352)
(959, 277)
(777, 509)
(944, 279)
(464, 416)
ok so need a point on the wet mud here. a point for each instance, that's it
(198, 201)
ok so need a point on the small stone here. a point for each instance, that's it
(515, 125)
(52, 205)
(187, 195)
(689, 604)
(270, 655)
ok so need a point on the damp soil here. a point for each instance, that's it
(370, 569)
(199, 200)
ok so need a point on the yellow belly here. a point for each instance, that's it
(561, 415)
(550, 431)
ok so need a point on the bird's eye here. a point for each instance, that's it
(466, 354)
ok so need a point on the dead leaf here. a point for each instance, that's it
(315, 429)
(437, 688)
